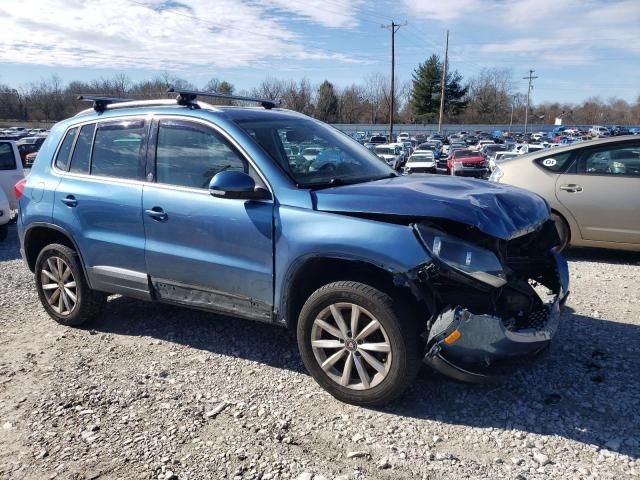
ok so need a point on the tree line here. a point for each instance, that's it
(490, 97)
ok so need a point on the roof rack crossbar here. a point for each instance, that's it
(186, 97)
(100, 103)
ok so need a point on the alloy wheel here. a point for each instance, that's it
(59, 285)
(351, 346)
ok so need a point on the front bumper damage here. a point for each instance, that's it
(480, 347)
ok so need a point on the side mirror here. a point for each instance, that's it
(236, 185)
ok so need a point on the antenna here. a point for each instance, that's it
(100, 103)
(187, 97)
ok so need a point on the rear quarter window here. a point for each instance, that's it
(555, 163)
(64, 153)
(82, 151)
(7, 158)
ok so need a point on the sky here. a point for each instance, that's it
(577, 48)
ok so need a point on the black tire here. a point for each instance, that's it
(88, 304)
(4, 231)
(563, 230)
(402, 333)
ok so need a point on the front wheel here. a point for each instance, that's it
(358, 343)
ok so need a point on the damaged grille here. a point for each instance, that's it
(538, 318)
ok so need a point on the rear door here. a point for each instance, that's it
(99, 201)
(602, 192)
(10, 171)
(202, 251)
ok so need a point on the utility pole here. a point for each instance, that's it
(444, 81)
(526, 108)
(513, 101)
(394, 27)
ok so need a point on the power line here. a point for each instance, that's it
(526, 110)
(394, 27)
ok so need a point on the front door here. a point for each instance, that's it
(602, 192)
(203, 251)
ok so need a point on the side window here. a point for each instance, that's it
(618, 160)
(189, 154)
(555, 163)
(116, 149)
(62, 159)
(80, 157)
(7, 158)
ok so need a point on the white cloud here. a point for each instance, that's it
(443, 10)
(149, 34)
(567, 32)
(336, 13)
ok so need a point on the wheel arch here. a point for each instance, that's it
(39, 235)
(312, 273)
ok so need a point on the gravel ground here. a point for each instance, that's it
(151, 391)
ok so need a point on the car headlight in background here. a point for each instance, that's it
(464, 257)
(496, 174)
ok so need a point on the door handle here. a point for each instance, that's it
(157, 213)
(70, 201)
(571, 187)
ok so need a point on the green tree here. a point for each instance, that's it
(425, 97)
(327, 105)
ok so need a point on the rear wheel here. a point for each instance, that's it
(562, 228)
(62, 287)
(358, 344)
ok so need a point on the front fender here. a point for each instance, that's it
(303, 234)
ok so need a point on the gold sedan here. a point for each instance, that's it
(593, 189)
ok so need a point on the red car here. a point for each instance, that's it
(467, 163)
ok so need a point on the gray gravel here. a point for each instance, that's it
(156, 392)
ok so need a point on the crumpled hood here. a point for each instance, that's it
(498, 210)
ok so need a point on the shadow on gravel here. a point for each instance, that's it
(618, 257)
(584, 388)
(10, 246)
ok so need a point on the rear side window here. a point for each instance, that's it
(80, 158)
(555, 163)
(62, 159)
(116, 150)
(190, 154)
(7, 159)
(618, 160)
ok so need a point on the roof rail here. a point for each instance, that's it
(186, 97)
(100, 103)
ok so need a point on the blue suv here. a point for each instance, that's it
(216, 208)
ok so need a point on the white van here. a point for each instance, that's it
(10, 170)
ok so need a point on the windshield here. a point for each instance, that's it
(417, 157)
(385, 151)
(465, 154)
(327, 156)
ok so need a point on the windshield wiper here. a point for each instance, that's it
(335, 182)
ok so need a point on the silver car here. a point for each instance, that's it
(593, 189)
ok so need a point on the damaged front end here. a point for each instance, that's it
(493, 300)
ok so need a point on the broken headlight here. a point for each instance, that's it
(464, 257)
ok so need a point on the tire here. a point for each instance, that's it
(88, 303)
(394, 346)
(4, 231)
(563, 230)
